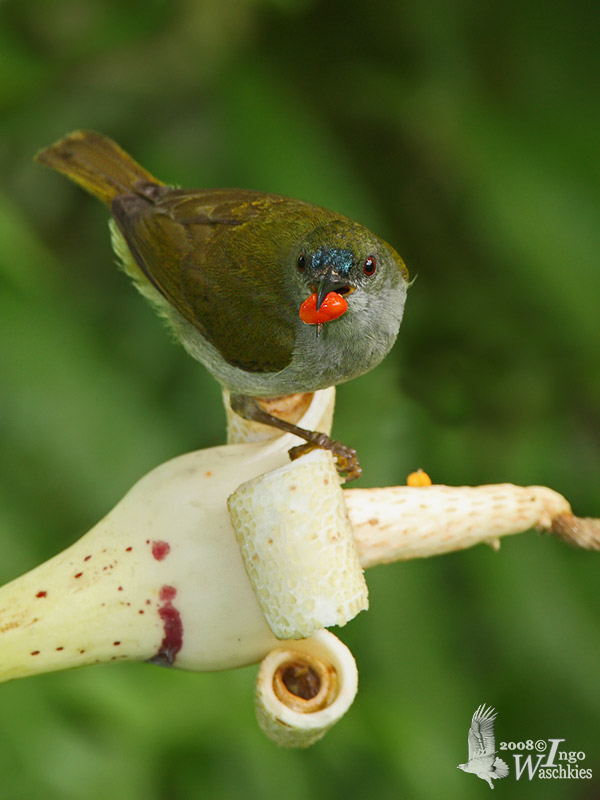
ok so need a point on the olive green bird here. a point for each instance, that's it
(245, 279)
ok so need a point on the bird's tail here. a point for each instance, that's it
(96, 163)
(500, 768)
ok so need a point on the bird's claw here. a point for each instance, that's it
(347, 460)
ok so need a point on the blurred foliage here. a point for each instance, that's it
(467, 134)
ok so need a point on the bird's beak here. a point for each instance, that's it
(331, 281)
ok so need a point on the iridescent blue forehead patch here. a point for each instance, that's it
(340, 260)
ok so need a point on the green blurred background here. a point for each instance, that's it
(466, 134)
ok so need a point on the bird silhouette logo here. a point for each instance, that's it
(483, 760)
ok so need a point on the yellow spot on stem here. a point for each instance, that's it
(418, 478)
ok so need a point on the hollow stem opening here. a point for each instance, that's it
(304, 683)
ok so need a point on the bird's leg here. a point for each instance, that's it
(347, 462)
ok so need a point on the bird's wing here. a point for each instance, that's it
(215, 258)
(481, 733)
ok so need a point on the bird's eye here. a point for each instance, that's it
(301, 263)
(370, 266)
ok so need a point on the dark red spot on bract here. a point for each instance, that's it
(167, 593)
(87, 558)
(160, 549)
(41, 594)
(79, 574)
(128, 549)
(173, 638)
(35, 653)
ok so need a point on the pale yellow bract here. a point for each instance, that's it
(162, 577)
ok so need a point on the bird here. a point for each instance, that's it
(274, 296)
(483, 761)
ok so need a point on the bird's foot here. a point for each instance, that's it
(347, 460)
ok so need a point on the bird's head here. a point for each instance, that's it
(342, 269)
